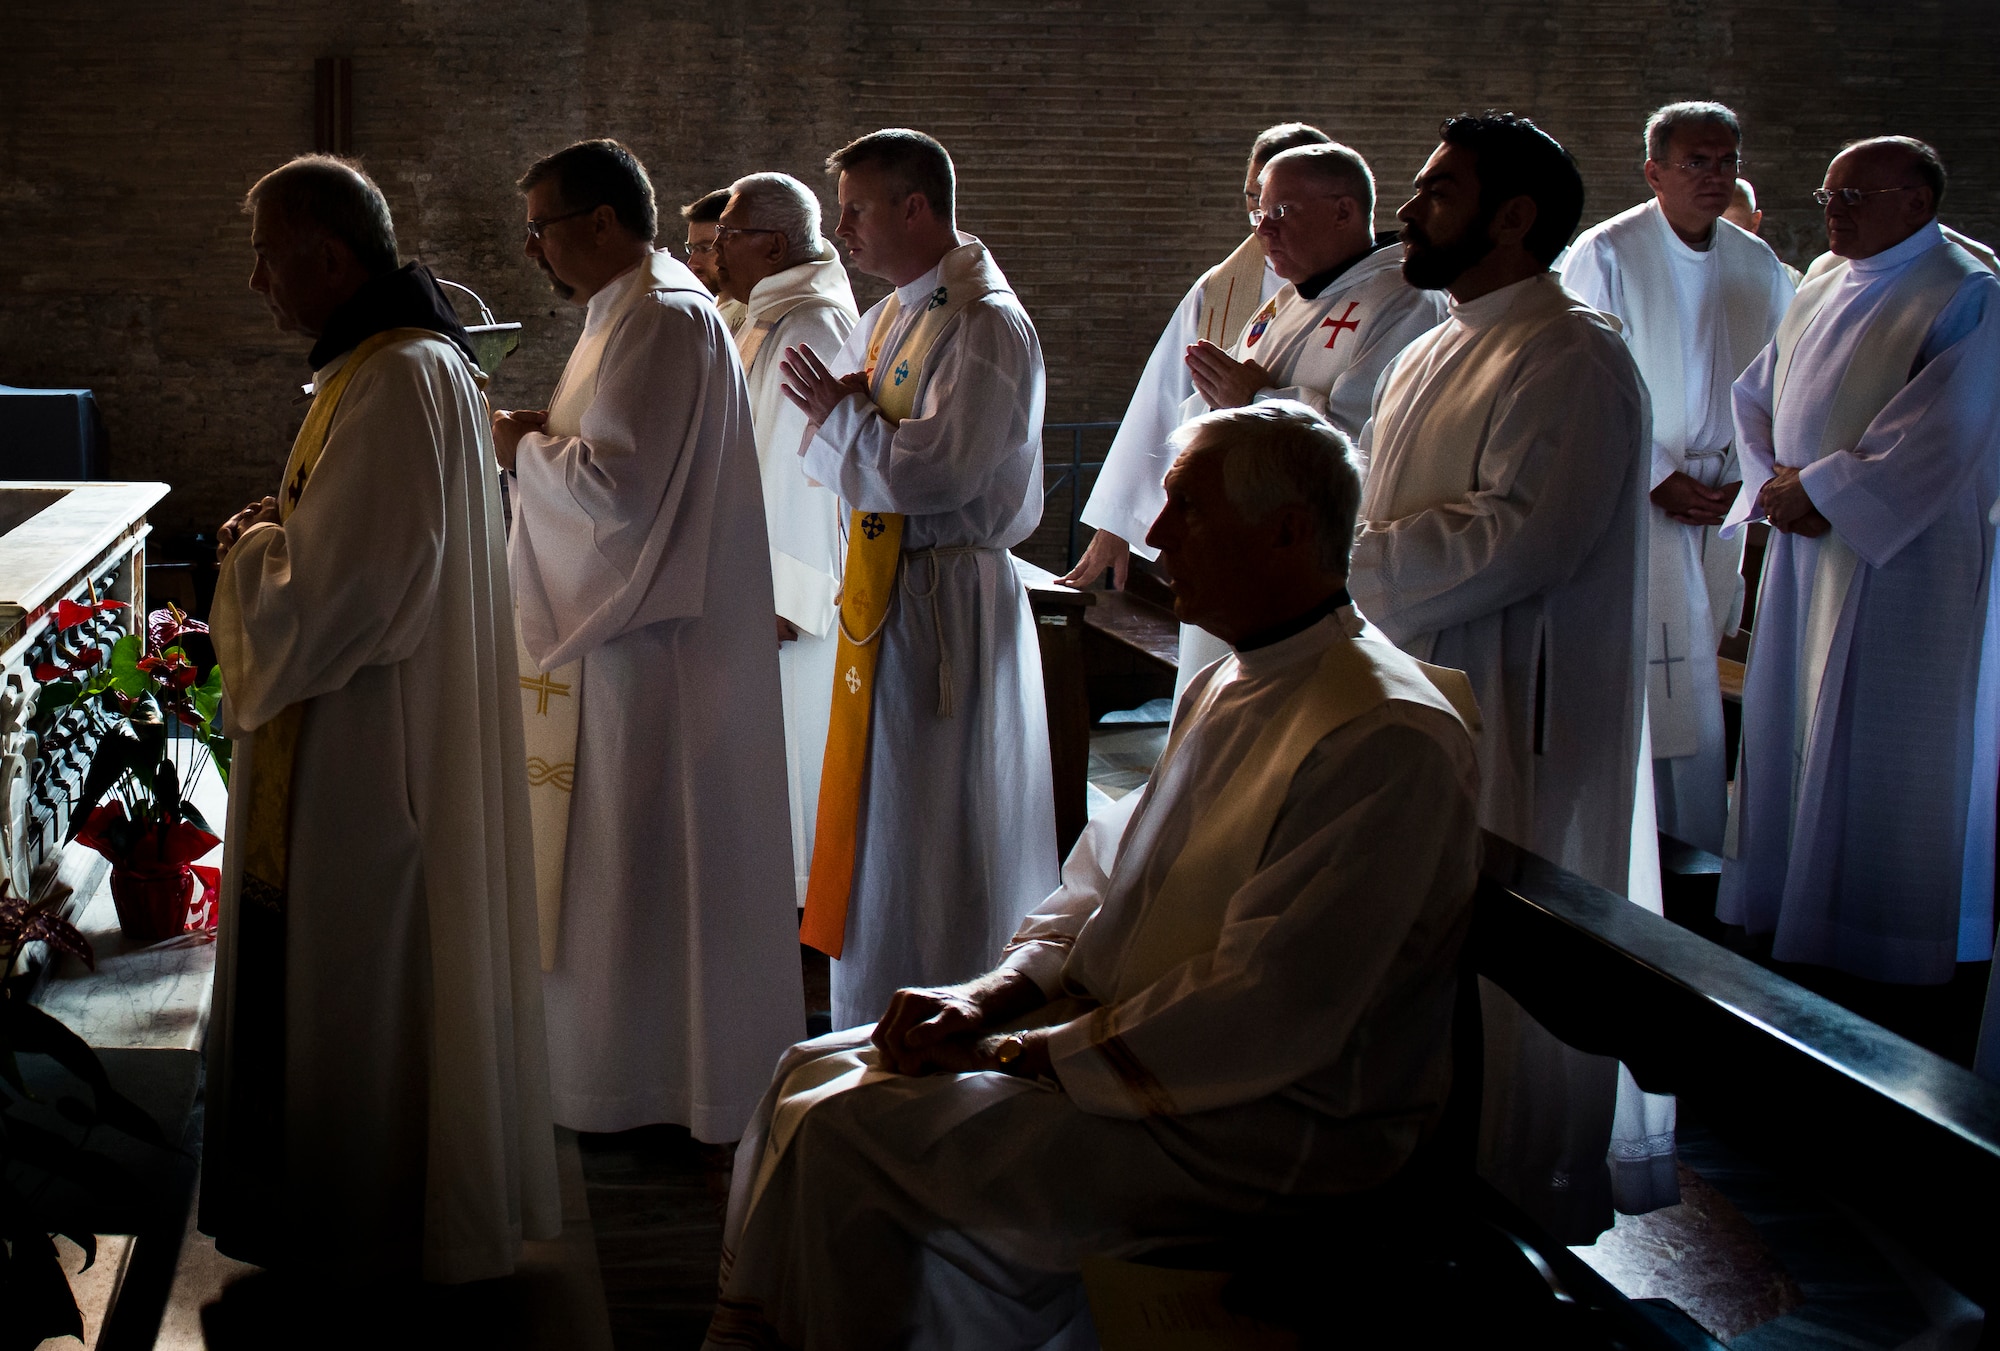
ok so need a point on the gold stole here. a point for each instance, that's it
(275, 745)
(874, 548)
(1230, 294)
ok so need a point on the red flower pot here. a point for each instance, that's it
(152, 900)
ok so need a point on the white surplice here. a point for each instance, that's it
(416, 1132)
(1297, 1049)
(957, 832)
(1864, 828)
(1502, 535)
(639, 546)
(1695, 319)
(810, 305)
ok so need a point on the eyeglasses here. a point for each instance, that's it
(1702, 165)
(1852, 196)
(1277, 214)
(538, 224)
(724, 233)
(706, 246)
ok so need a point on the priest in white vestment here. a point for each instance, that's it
(1236, 1008)
(1698, 299)
(795, 293)
(377, 1089)
(929, 422)
(1217, 308)
(1501, 534)
(643, 582)
(1864, 816)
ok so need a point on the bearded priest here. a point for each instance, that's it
(774, 261)
(1502, 535)
(1237, 1008)
(377, 1090)
(650, 690)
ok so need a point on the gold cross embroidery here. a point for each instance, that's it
(543, 688)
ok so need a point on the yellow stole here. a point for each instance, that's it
(275, 745)
(874, 549)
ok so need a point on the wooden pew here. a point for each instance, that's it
(1906, 1138)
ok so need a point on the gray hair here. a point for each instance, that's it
(1339, 168)
(1664, 122)
(1285, 136)
(336, 197)
(782, 203)
(1281, 453)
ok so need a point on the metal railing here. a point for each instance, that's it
(1069, 472)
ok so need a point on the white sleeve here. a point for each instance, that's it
(1128, 495)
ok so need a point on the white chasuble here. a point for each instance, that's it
(810, 305)
(1864, 814)
(872, 1209)
(1502, 535)
(415, 1114)
(957, 822)
(640, 551)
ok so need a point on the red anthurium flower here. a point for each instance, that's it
(69, 614)
(45, 672)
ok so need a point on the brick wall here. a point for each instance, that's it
(1099, 153)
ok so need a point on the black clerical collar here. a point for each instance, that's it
(1297, 624)
(1315, 286)
(406, 298)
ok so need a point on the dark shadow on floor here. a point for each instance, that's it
(656, 1201)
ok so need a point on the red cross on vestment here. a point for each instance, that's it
(1343, 322)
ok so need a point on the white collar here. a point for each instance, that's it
(1897, 256)
(1492, 307)
(1305, 644)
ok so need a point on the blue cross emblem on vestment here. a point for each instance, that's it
(871, 525)
(902, 371)
(937, 300)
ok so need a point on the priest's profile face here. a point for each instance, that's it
(1202, 537)
(548, 246)
(1444, 231)
(295, 271)
(873, 221)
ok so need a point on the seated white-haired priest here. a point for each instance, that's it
(1237, 1005)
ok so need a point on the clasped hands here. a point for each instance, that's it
(261, 512)
(949, 1029)
(1223, 381)
(1786, 506)
(816, 390)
